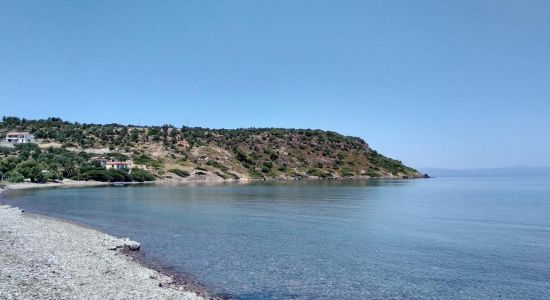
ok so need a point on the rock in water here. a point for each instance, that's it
(126, 243)
(131, 245)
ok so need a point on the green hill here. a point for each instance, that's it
(65, 149)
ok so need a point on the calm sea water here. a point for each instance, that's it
(438, 238)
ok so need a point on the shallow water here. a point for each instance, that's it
(437, 238)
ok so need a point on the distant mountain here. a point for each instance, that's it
(509, 171)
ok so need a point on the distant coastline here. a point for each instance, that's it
(489, 172)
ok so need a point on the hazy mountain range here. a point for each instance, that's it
(508, 171)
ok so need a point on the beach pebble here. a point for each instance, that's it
(46, 260)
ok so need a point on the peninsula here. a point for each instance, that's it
(51, 149)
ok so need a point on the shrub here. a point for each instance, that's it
(372, 173)
(180, 173)
(222, 175)
(105, 175)
(242, 157)
(6, 150)
(141, 175)
(98, 175)
(117, 175)
(254, 173)
(218, 165)
(315, 172)
(52, 175)
(235, 176)
(147, 160)
(319, 173)
(347, 172)
(69, 145)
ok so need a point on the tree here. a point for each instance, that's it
(8, 164)
(31, 170)
(70, 171)
(15, 177)
(52, 175)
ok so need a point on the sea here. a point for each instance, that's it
(442, 238)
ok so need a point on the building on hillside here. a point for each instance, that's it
(119, 165)
(19, 137)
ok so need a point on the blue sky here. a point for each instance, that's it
(456, 84)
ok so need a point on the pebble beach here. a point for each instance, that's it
(45, 258)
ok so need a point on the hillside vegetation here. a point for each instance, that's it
(64, 150)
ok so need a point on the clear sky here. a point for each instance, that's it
(456, 84)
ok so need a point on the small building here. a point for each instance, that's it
(119, 165)
(19, 137)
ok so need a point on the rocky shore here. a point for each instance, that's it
(43, 258)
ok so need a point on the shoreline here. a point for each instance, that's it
(64, 183)
(63, 270)
(69, 183)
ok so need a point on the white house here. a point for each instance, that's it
(118, 165)
(19, 137)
